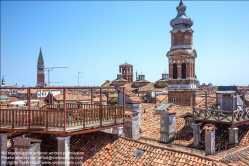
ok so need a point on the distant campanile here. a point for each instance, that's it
(181, 59)
(40, 71)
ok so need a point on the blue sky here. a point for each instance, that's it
(96, 37)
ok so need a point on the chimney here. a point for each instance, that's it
(233, 137)
(131, 126)
(209, 139)
(196, 135)
(167, 125)
(23, 148)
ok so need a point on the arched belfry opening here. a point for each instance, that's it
(183, 70)
(174, 71)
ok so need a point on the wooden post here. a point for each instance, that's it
(91, 97)
(193, 105)
(244, 99)
(65, 108)
(100, 106)
(206, 99)
(28, 102)
(115, 115)
(123, 103)
(232, 111)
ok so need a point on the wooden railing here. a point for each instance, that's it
(68, 105)
(220, 116)
(88, 116)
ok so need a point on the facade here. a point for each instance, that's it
(40, 71)
(127, 72)
(181, 59)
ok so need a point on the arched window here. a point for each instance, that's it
(174, 71)
(183, 70)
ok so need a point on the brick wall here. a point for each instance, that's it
(183, 98)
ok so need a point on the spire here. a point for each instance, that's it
(40, 58)
(180, 3)
(3, 81)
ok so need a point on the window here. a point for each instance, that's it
(174, 71)
(174, 100)
(184, 71)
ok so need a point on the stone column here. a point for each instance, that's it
(209, 139)
(3, 152)
(233, 136)
(63, 151)
(167, 126)
(196, 135)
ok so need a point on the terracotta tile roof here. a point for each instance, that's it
(238, 156)
(26, 91)
(72, 96)
(127, 152)
(2, 93)
(84, 146)
(11, 99)
(128, 112)
(163, 80)
(150, 86)
(112, 95)
(120, 80)
(144, 81)
(151, 122)
(107, 83)
(134, 99)
(98, 98)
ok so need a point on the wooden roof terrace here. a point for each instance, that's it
(63, 119)
(212, 112)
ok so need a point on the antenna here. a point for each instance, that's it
(79, 77)
(51, 69)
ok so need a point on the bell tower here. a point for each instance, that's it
(181, 59)
(40, 70)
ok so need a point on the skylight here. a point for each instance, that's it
(138, 153)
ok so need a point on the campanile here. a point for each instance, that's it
(181, 59)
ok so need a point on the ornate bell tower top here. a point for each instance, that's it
(181, 34)
(182, 21)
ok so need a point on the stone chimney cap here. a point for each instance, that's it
(209, 127)
(170, 111)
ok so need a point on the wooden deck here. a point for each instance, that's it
(63, 119)
(76, 119)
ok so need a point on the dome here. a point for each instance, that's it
(181, 21)
(197, 82)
